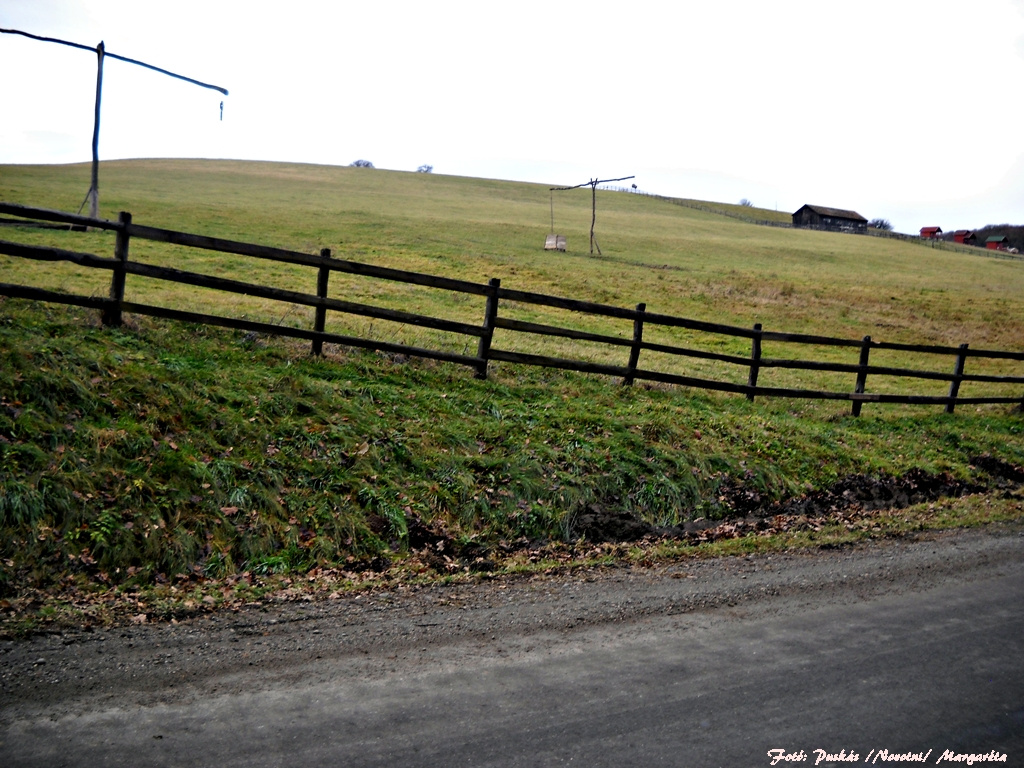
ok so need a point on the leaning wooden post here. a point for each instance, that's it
(634, 351)
(958, 374)
(483, 349)
(94, 186)
(593, 213)
(112, 314)
(321, 311)
(862, 373)
(755, 358)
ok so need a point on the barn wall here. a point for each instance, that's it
(808, 219)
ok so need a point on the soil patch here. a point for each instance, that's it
(745, 508)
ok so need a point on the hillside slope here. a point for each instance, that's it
(677, 260)
(159, 454)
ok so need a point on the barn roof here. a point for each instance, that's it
(822, 210)
(930, 230)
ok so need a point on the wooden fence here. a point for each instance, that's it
(493, 295)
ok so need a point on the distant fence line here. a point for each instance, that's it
(493, 295)
(702, 207)
(946, 245)
(931, 242)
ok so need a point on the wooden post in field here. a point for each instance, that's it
(490, 315)
(94, 186)
(634, 351)
(958, 372)
(755, 357)
(93, 196)
(112, 314)
(593, 204)
(321, 311)
(862, 373)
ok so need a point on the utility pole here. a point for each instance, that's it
(93, 196)
(593, 204)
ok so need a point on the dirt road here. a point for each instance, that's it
(904, 646)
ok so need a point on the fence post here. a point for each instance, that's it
(755, 358)
(490, 315)
(862, 373)
(321, 311)
(112, 314)
(958, 372)
(634, 351)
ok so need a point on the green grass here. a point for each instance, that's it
(159, 447)
(159, 451)
(677, 260)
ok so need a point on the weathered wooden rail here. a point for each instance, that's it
(494, 296)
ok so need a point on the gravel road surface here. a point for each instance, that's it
(889, 648)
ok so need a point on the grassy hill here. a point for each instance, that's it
(160, 451)
(678, 260)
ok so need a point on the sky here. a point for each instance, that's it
(908, 110)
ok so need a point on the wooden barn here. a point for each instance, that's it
(931, 232)
(997, 243)
(831, 219)
(965, 237)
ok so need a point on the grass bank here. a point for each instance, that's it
(160, 453)
(175, 465)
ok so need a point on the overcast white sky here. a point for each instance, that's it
(909, 110)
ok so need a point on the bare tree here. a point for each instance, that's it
(361, 164)
(882, 224)
(746, 203)
(425, 169)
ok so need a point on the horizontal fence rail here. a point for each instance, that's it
(495, 296)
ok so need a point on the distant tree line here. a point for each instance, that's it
(1013, 233)
(368, 164)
